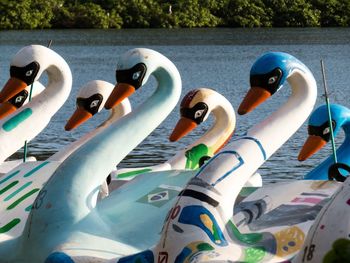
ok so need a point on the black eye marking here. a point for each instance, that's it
(196, 113)
(269, 81)
(91, 104)
(27, 73)
(19, 99)
(323, 130)
(133, 76)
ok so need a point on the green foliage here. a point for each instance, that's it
(87, 15)
(37, 14)
(293, 13)
(26, 14)
(142, 14)
(245, 13)
(195, 13)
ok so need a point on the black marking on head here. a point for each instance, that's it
(322, 131)
(19, 99)
(91, 104)
(26, 73)
(133, 76)
(269, 81)
(196, 113)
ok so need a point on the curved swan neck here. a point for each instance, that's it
(216, 136)
(85, 169)
(290, 116)
(261, 141)
(41, 108)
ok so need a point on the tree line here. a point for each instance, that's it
(40, 14)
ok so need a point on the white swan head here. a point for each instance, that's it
(133, 70)
(319, 128)
(267, 76)
(20, 99)
(195, 108)
(26, 67)
(91, 99)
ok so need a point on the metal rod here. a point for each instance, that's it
(329, 112)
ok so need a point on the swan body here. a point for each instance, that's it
(20, 186)
(319, 135)
(63, 214)
(42, 169)
(197, 226)
(328, 238)
(6, 109)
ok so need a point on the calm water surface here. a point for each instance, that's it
(215, 58)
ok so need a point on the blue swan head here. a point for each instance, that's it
(319, 129)
(267, 76)
(133, 71)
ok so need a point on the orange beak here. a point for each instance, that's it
(312, 145)
(79, 116)
(6, 108)
(254, 98)
(120, 92)
(183, 127)
(12, 87)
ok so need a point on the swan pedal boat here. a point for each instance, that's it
(65, 218)
(200, 227)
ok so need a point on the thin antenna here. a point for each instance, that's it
(29, 99)
(329, 112)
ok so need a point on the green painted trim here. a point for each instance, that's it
(28, 208)
(9, 177)
(247, 238)
(9, 225)
(245, 191)
(17, 191)
(7, 187)
(19, 200)
(133, 173)
(16, 120)
(36, 169)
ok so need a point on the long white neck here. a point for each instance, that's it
(216, 186)
(215, 138)
(30, 120)
(84, 170)
(251, 151)
(121, 110)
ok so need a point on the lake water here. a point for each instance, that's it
(215, 58)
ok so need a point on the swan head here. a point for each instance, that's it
(133, 71)
(267, 76)
(319, 128)
(26, 68)
(90, 100)
(20, 99)
(194, 109)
